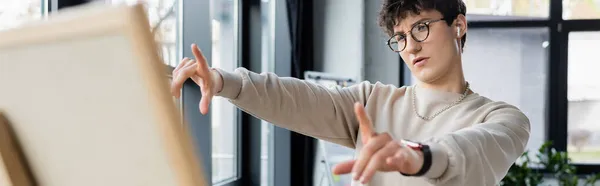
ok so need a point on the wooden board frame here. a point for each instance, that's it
(11, 154)
(90, 20)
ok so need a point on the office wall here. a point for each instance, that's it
(510, 65)
(381, 63)
(348, 41)
(339, 46)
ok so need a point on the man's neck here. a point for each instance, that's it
(453, 82)
(449, 86)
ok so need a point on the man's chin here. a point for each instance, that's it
(427, 76)
(424, 75)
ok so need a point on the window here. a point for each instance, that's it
(224, 114)
(519, 64)
(264, 152)
(330, 154)
(584, 97)
(581, 9)
(507, 9)
(516, 74)
(164, 23)
(267, 64)
(16, 12)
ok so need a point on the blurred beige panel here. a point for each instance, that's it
(531, 8)
(89, 102)
(582, 9)
(4, 180)
(478, 6)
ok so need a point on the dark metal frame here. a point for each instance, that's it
(197, 29)
(54, 5)
(556, 95)
(250, 127)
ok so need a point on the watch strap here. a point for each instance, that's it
(427, 160)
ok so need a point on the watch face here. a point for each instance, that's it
(412, 145)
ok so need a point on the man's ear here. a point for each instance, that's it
(460, 26)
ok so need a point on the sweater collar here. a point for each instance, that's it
(433, 96)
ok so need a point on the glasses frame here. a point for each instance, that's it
(426, 23)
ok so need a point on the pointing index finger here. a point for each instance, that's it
(202, 65)
(365, 126)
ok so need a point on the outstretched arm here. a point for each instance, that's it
(297, 105)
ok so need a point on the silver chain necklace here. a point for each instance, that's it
(414, 104)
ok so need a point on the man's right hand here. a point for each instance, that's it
(210, 81)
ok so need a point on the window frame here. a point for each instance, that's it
(556, 111)
(197, 29)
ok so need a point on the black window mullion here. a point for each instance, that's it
(55, 5)
(250, 127)
(581, 25)
(557, 103)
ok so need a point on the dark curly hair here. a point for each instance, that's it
(393, 11)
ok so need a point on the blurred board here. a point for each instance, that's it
(86, 95)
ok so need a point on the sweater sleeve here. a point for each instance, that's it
(304, 107)
(480, 154)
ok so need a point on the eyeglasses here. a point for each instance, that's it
(419, 33)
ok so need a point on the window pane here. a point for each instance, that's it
(267, 13)
(224, 114)
(16, 12)
(507, 9)
(264, 152)
(584, 97)
(581, 9)
(330, 154)
(516, 73)
(164, 23)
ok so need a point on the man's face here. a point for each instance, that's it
(438, 54)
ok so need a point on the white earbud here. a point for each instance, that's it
(458, 33)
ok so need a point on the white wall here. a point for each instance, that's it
(510, 65)
(381, 63)
(348, 41)
(339, 37)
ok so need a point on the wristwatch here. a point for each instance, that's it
(427, 159)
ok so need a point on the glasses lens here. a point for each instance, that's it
(397, 43)
(420, 32)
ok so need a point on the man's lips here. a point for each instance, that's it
(419, 59)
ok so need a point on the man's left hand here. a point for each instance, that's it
(379, 153)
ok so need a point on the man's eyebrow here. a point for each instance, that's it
(420, 21)
(412, 25)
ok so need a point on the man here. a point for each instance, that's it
(437, 132)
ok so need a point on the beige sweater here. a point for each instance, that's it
(474, 143)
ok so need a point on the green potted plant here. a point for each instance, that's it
(551, 163)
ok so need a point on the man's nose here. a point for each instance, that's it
(412, 46)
